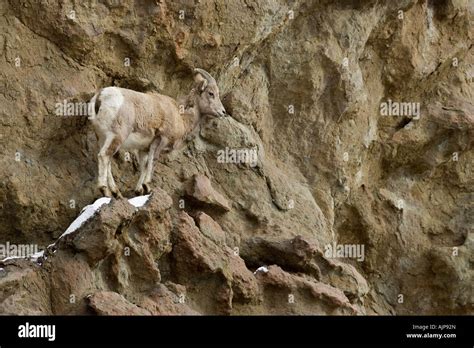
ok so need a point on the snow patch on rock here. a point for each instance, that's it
(139, 201)
(261, 269)
(86, 213)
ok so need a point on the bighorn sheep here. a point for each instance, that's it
(148, 123)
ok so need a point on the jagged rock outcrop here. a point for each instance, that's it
(304, 83)
(202, 191)
(155, 259)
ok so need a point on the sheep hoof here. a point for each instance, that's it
(117, 194)
(147, 188)
(105, 191)
(139, 191)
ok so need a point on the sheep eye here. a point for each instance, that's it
(211, 94)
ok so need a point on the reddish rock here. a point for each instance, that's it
(301, 255)
(202, 190)
(112, 303)
(329, 300)
(207, 267)
(210, 228)
(168, 299)
(24, 290)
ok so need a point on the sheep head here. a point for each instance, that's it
(207, 94)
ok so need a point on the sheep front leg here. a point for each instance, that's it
(155, 149)
(111, 182)
(142, 164)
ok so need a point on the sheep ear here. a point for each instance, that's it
(203, 85)
(201, 82)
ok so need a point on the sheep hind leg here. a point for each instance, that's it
(106, 182)
(142, 164)
(155, 149)
(111, 151)
(102, 161)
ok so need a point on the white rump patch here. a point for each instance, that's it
(112, 98)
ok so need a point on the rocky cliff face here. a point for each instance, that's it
(361, 118)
